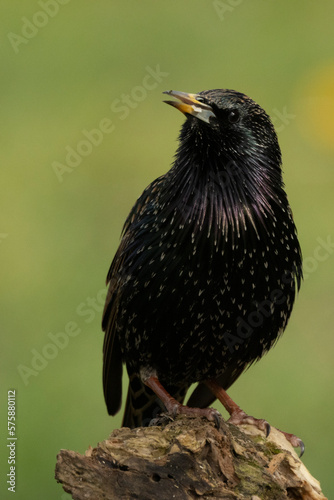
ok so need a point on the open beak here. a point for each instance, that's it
(190, 105)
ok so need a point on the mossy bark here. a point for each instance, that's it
(188, 459)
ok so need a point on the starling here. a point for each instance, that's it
(204, 279)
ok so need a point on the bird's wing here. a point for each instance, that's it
(112, 357)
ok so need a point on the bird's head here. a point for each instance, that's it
(227, 123)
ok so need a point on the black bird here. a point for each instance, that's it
(205, 277)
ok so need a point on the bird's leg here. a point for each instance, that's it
(173, 406)
(239, 417)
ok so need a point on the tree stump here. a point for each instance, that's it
(188, 458)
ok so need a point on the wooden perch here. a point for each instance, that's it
(188, 459)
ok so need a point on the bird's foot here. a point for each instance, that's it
(239, 417)
(175, 408)
(295, 441)
(210, 414)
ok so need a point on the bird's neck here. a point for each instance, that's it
(253, 177)
(226, 190)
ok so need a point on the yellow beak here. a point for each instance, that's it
(190, 105)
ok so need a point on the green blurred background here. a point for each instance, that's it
(66, 66)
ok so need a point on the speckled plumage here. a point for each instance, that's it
(205, 277)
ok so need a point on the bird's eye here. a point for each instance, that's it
(199, 99)
(234, 116)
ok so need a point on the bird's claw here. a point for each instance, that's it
(267, 428)
(302, 448)
(175, 408)
(217, 419)
(209, 413)
(295, 441)
(241, 418)
(161, 419)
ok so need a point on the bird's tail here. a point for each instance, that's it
(142, 405)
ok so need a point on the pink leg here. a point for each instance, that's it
(239, 417)
(174, 408)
